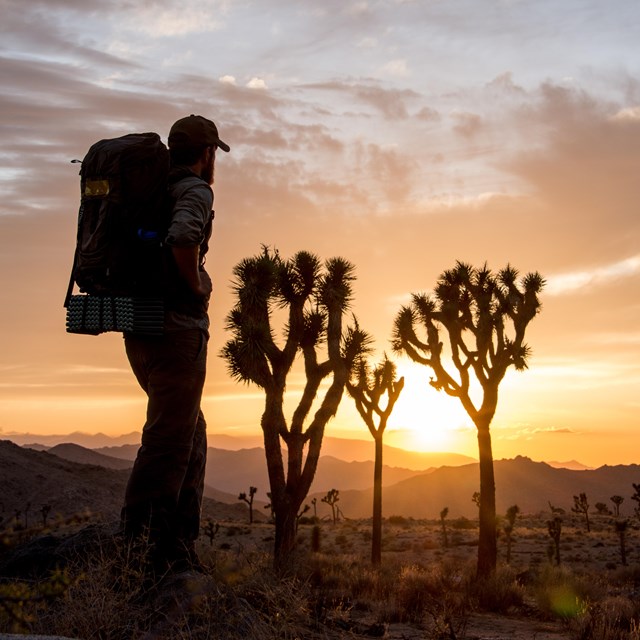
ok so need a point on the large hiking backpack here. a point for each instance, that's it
(119, 263)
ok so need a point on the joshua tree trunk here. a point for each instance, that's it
(376, 542)
(487, 545)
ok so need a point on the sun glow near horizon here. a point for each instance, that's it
(425, 419)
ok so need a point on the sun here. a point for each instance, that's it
(424, 419)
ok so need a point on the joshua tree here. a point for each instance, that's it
(555, 529)
(44, 511)
(512, 513)
(443, 516)
(249, 501)
(314, 502)
(300, 514)
(602, 509)
(485, 316)
(621, 530)
(367, 387)
(314, 298)
(636, 498)
(617, 501)
(475, 498)
(331, 498)
(555, 510)
(581, 505)
(210, 529)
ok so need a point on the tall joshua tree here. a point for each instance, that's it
(314, 298)
(484, 316)
(368, 387)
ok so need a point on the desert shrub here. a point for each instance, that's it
(399, 521)
(498, 592)
(462, 523)
(615, 618)
(561, 593)
(436, 595)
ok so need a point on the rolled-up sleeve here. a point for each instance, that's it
(191, 215)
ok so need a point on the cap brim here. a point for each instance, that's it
(223, 145)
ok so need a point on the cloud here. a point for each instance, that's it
(256, 83)
(554, 430)
(628, 114)
(391, 103)
(600, 276)
(398, 68)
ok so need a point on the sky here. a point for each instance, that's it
(401, 135)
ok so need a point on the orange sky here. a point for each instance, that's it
(400, 135)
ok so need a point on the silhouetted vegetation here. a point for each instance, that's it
(617, 502)
(249, 501)
(555, 531)
(512, 513)
(581, 505)
(314, 298)
(621, 527)
(485, 316)
(443, 521)
(368, 387)
(332, 497)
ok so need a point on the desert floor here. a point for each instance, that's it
(592, 559)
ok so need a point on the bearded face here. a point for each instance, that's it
(208, 171)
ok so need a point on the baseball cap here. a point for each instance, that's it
(195, 131)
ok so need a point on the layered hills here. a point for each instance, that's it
(71, 478)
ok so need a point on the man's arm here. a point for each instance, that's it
(188, 263)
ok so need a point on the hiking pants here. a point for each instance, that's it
(164, 492)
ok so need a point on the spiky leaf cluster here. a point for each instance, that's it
(481, 316)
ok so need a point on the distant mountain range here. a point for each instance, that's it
(350, 450)
(70, 477)
(530, 485)
(31, 479)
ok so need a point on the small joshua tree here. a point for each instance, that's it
(555, 530)
(602, 509)
(369, 387)
(314, 502)
(617, 501)
(331, 498)
(559, 511)
(512, 513)
(300, 514)
(44, 511)
(621, 529)
(210, 529)
(475, 498)
(443, 517)
(636, 498)
(581, 505)
(249, 501)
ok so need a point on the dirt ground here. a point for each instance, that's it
(420, 544)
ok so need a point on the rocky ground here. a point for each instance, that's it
(421, 591)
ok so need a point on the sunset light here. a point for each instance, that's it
(390, 134)
(425, 419)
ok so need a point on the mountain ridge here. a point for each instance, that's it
(32, 479)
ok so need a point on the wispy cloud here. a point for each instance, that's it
(599, 276)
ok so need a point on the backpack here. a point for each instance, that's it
(119, 265)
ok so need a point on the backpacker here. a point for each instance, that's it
(119, 258)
